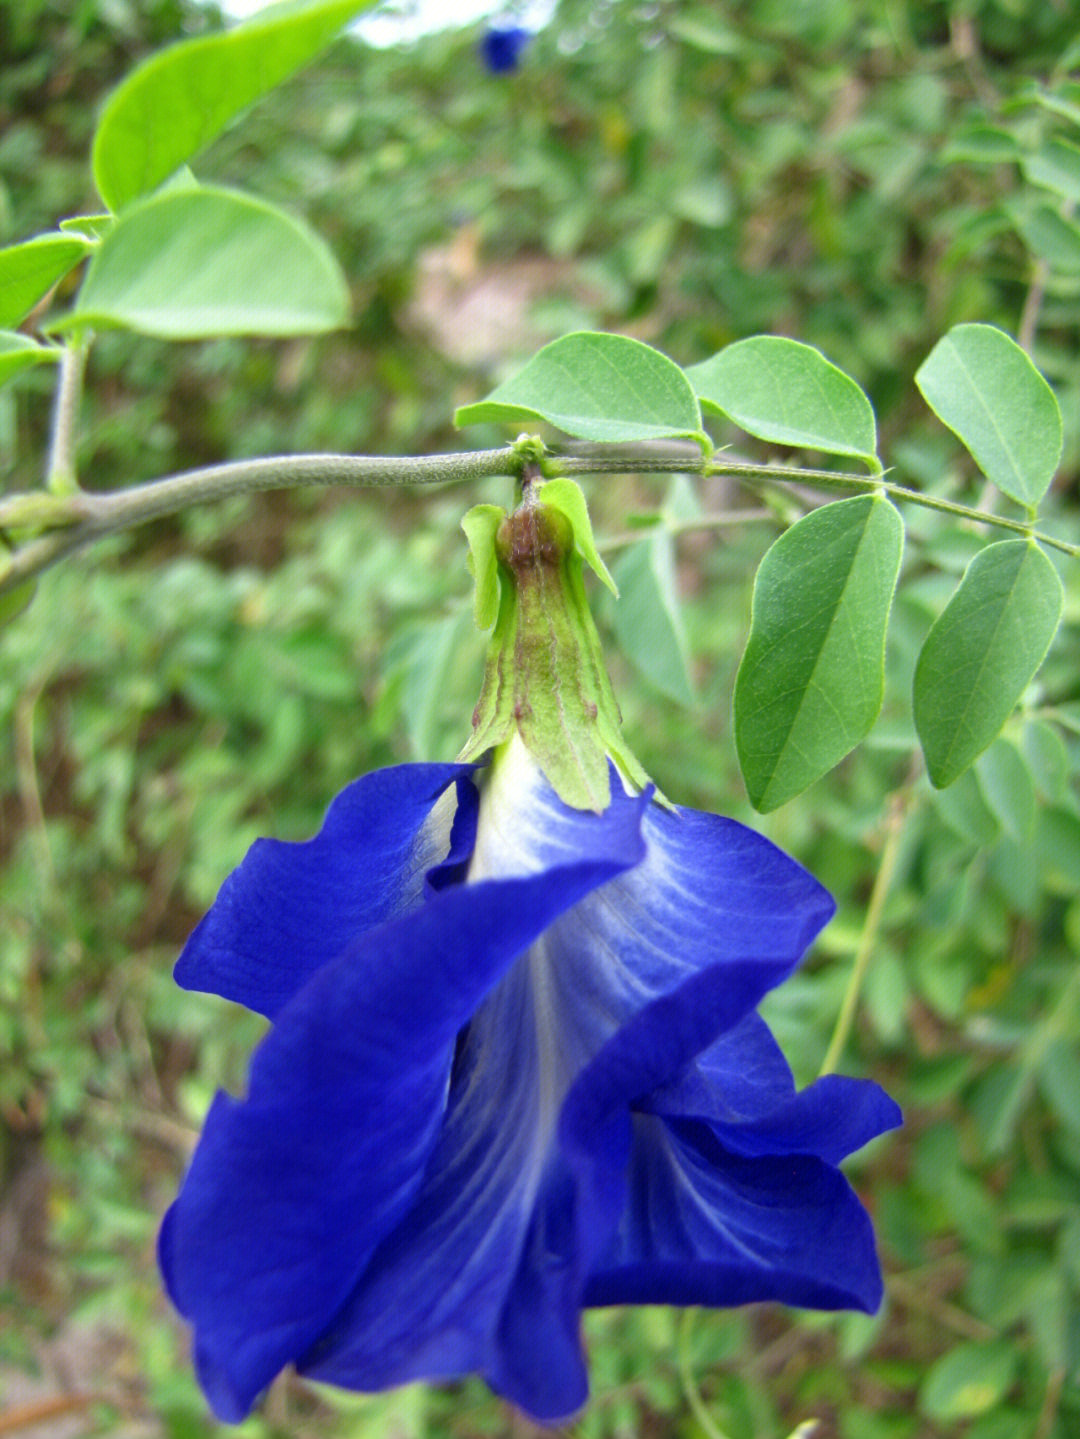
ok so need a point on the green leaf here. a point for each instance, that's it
(982, 652)
(1055, 166)
(596, 387)
(13, 602)
(1057, 104)
(89, 227)
(1051, 237)
(811, 680)
(648, 620)
(433, 651)
(982, 385)
(1045, 752)
(566, 496)
(480, 525)
(965, 809)
(1009, 788)
(191, 263)
(19, 352)
(969, 1380)
(173, 104)
(981, 145)
(1057, 843)
(30, 270)
(1059, 1080)
(790, 394)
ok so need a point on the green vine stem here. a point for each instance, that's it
(78, 518)
(900, 807)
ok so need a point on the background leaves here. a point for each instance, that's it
(648, 617)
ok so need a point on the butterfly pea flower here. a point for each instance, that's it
(501, 47)
(514, 1066)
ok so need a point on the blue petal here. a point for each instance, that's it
(291, 1191)
(458, 1286)
(688, 1233)
(487, 1271)
(831, 1118)
(708, 892)
(288, 909)
(644, 1060)
(742, 1076)
(706, 1226)
(440, 1297)
(744, 1087)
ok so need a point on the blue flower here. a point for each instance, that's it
(514, 1069)
(501, 47)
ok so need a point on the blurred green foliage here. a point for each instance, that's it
(858, 175)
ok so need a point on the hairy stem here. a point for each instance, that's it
(90, 517)
(80, 517)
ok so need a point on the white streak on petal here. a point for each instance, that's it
(431, 846)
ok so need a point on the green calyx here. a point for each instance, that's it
(545, 675)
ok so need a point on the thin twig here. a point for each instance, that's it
(693, 1394)
(572, 465)
(1051, 1403)
(718, 520)
(43, 1411)
(899, 808)
(60, 476)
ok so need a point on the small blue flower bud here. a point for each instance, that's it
(501, 48)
